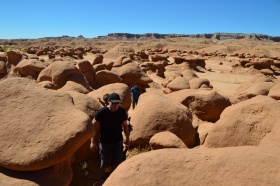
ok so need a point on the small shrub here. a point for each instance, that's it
(160, 45)
(137, 150)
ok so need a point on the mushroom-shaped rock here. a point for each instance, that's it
(43, 125)
(90, 106)
(131, 73)
(77, 83)
(261, 63)
(178, 83)
(122, 60)
(276, 62)
(249, 90)
(108, 65)
(156, 113)
(30, 67)
(262, 78)
(99, 67)
(120, 88)
(245, 123)
(176, 59)
(197, 83)
(58, 71)
(267, 72)
(237, 165)
(72, 86)
(105, 77)
(206, 104)
(274, 92)
(85, 103)
(159, 66)
(195, 61)
(87, 69)
(158, 57)
(14, 58)
(58, 174)
(188, 74)
(166, 139)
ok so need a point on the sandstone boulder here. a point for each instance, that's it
(156, 113)
(30, 67)
(14, 58)
(267, 72)
(87, 69)
(274, 92)
(206, 104)
(105, 77)
(43, 125)
(58, 72)
(188, 74)
(249, 90)
(176, 59)
(197, 83)
(122, 89)
(131, 73)
(158, 57)
(195, 61)
(202, 132)
(85, 103)
(237, 165)
(98, 67)
(3, 56)
(3, 69)
(58, 174)
(47, 84)
(245, 123)
(166, 139)
(122, 60)
(260, 63)
(272, 139)
(179, 83)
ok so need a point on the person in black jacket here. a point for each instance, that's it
(108, 123)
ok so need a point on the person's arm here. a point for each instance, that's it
(95, 139)
(131, 93)
(126, 133)
(100, 101)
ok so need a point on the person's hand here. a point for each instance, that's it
(127, 143)
(93, 147)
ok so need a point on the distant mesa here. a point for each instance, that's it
(147, 36)
(216, 36)
(63, 37)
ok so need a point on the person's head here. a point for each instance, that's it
(105, 98)
(114, 102)
(135, 84)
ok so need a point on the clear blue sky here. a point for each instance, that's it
(92, 18)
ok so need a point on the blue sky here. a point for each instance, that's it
(91, 18)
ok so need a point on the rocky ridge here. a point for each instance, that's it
(146, 36)
(217, 36)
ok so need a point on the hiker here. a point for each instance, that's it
(135, 93)
(105, 100)
(108, 123)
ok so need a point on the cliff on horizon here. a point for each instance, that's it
(217, 36)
